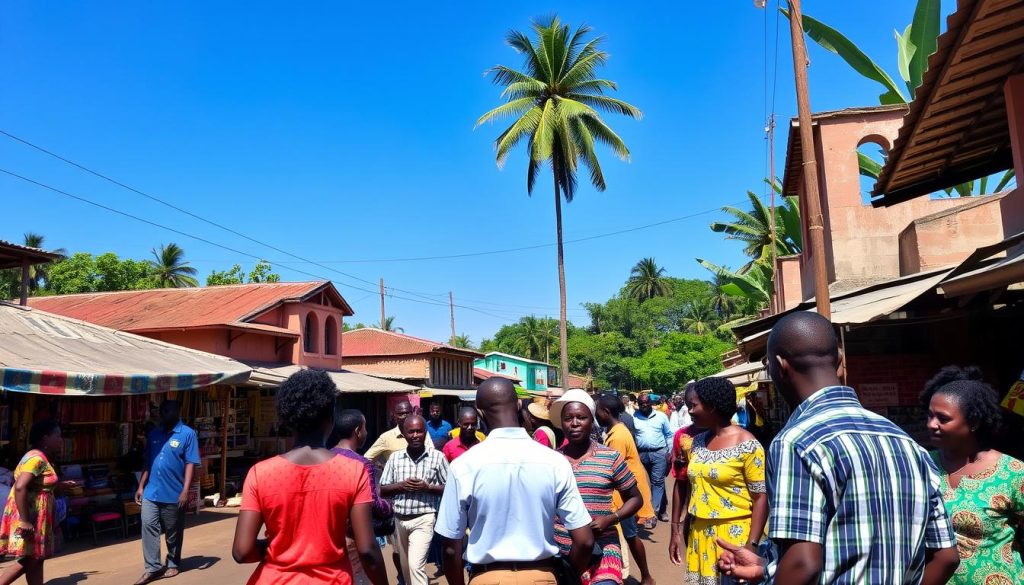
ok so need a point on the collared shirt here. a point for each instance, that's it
(167, 454)
(387, 444)
(430, 466)
(454, 448)
(627, 419)
(679, 419)
(508, 490)
(652, 431)
(851, 480)
(439, 434)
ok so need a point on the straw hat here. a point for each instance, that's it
(538, 409)
(574, 395)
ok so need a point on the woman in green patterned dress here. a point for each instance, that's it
(983, 488)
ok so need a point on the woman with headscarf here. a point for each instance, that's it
(599, 472)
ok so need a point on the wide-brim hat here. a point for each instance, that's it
(574, 395)
(539, 410)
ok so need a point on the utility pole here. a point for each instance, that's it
(772, 308)
(382, 319)
(815, 222)
(451, 310)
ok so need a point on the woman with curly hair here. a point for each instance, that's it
(307, 498)
(983, 488)
(726, 499)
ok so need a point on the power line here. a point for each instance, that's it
(228, 248)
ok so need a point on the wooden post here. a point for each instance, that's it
(773, 302)
(382, 318)
(224, 446)
(451, 310)
(26, 267)
(815, 222)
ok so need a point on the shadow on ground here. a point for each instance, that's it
(84, 540)
(72, 579)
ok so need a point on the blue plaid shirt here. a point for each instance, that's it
(851, 480)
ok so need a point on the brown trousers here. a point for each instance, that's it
(528, 577)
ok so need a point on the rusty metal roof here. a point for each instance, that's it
(183, 308)
(956, 130)
(794, 171)
(12, 255)
(369, 341)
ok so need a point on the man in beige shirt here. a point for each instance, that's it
(391, 441)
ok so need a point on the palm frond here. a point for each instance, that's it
(585, 147)
(525, 126)
(605, 135)
(512, 108)
(608, 104)
(593, 86)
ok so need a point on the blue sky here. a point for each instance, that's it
(343, 132)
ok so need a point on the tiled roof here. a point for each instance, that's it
(174, 308)
(373, 342)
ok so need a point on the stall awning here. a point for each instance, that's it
(45, 353)
(995, 266)
(463, 395)
(348, 382)
(744, 373)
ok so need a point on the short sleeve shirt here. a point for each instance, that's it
(306, 510)
(167, 454)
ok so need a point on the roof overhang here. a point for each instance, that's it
(269, 375)
(15, 256)
(983, 271)
(240, 327)
(956, 129)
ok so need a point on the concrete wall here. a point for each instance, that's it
(294, 316)
(248, 346)
(947, 238)
(417, 367)
(861, 241)
(1013, 204)
(787, 283)
(533, 376)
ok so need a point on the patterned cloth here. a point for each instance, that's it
(836, 464)
(381, 507)
(430, 466)
(985, 509)
(40, 495)
(721, 482)
(600, 472)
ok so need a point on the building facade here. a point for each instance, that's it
(534, 375)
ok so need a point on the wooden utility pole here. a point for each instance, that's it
(382, 319)
(815, 222)
(451, 310)
(772, 308)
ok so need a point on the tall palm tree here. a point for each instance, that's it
(647, 280)
(462, 341)
(169, 268)
(700, 317)
(555, 101)
(37, 273)
(389, 325)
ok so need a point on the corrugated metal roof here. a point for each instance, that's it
(179, 308)
(482, 374)
(36, 346)
(12, 255)
(370, 341)
(957, 129)
(348, 382)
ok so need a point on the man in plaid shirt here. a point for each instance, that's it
(415, 478)
(852, 498)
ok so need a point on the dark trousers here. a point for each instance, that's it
(159, 518)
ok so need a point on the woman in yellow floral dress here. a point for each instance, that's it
(27, 530)
(727, 490)
(983, 488)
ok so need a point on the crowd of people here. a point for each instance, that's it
(537, 491)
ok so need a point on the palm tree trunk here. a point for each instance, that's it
(563, 334)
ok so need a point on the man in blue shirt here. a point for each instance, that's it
(437, 427)
(653, 440)
(172, 452)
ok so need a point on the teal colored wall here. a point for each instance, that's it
(533, 376)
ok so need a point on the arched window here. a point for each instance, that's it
(310, 335)
(330, 336)
(872, 151)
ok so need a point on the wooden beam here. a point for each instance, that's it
(26, 266)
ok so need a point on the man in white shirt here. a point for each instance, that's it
(680, 417)
(507, 491)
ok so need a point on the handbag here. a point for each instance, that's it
(565, 573)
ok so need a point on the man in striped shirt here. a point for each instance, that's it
(852, 498)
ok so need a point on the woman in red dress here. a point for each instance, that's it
(307, 498)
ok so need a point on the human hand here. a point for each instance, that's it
(138, 496)
(183, 499)
(675, 547)
(414, 484)
(601, 524)
(740, 562)
(67, 485)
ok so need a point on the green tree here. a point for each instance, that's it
(37, 272)
(701, 317)
(754, 227)
(604, 355)
(679, 358)
(914, 45)
(389, 325)
(169, 268)
(755, 286)
(261, 272)
(462, 341)
(555, 101)
(84, 273)
(647, 280)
